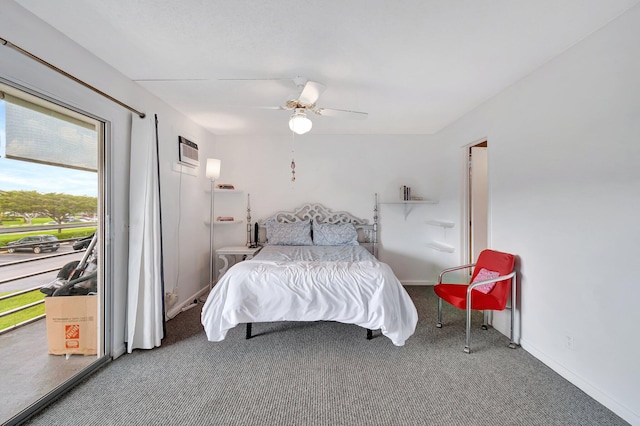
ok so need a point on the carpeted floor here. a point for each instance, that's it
(327, 373)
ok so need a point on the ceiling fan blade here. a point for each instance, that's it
(234, 107)
(171, 79)
(281, 108)
(311, 92)
(342, 113)
(254, 79)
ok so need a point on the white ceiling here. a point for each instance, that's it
(414, 65)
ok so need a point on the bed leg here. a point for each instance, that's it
(369, 334)
(248, 335)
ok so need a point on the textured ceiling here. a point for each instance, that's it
(414, 66)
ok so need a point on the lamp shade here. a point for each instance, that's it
(213, 168)
(299, 123)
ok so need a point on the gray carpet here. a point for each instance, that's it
(327, 373)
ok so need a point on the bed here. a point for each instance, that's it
(316, 265)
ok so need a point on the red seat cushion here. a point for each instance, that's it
(456, 294)
(496, 299)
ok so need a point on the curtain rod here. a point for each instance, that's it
(66, 74)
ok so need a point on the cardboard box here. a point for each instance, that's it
(72, 324)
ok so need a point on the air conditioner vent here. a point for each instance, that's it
(188, 152)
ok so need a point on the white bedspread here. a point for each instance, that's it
(311, 283)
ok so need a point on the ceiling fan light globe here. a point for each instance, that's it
(299, 123)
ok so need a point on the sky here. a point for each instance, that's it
(16, 175)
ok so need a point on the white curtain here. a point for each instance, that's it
(145, 310)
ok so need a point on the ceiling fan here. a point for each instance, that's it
(305, 103)
(310, 91)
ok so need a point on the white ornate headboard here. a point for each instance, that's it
(367, 232)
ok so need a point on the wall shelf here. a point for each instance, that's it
(437, 245)
(409, 204)
(223, 222)
(227, 222)
(442, 223)
(218, 190)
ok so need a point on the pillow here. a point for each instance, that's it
(289, 234)
(483, 275)
(335, 234)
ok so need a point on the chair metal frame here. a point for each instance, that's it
(512, 276)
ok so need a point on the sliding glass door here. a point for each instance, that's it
(52, 257)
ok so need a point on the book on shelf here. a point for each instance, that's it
(405, 193)
(225, 219)
(224, 186)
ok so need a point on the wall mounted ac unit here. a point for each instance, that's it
(187, 152)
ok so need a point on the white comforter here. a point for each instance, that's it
(311, 283)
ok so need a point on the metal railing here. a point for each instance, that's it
(21, 308)
(31, 228)
(46, 271)
(22, 292)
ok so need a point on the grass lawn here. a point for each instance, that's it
(64, 234)
(14, 302)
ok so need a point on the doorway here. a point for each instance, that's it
(478, 211)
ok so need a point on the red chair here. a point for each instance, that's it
(487, 290)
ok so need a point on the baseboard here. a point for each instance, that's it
(120, 350)
(416, 282)
(187, 304)
(612, 404)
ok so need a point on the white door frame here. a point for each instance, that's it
(466, 243)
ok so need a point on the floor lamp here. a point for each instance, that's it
(213, 173)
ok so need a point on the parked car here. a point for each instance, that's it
(70, 220)
(34, 243)
(82, 243)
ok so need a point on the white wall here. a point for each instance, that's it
(564, 156)
(342, 173)
(186, 262)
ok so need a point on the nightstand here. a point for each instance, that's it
(229, 256)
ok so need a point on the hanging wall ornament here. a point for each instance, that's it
(293, 161)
